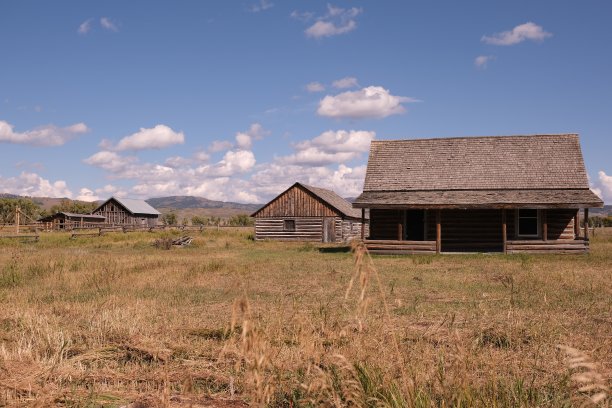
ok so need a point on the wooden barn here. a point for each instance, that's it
(127, 211)
(67, 220)
(477, 194)
(306, 213)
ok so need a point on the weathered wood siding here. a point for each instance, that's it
(306, 229)
(481, 230)
(400, 247)
(565, 246)
(296, 202)
(117, 215)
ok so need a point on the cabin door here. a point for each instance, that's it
(415, 225)
(329, 232)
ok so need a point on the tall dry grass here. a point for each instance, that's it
(112, 321)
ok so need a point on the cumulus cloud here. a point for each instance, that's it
(302, 15)
(31, 184)
(108, 24)
(86, 194)
(85, 26)
(528, 31)
(370, 102)
(336, 21)
(48, 135)
(603, 186)
(244, 140)
(262, 5)
(482, 61)
(219, 146)
(110, 161)
(330, 147)
(315, 87)
(158, 137)
(233, 162)
(345, 83)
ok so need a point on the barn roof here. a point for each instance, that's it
(327, 196)
(72, 215)
(134, 206)
(544, 170)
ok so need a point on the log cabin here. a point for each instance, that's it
(67, 220)
(511, 194)
(128, 211)
(306, 213)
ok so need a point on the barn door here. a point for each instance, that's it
(329, 232)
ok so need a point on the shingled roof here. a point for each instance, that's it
(493, 171)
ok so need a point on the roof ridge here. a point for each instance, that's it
(477, 137)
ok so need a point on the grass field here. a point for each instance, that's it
(111, 321)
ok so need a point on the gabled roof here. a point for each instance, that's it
(481, 171)
(133, 206)
(327, 196)
(73, 215)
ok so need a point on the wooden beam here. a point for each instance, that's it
(363, 224)
(504, 232)
(586, 224)
(400, 232)
(577, 224)
(544, 226)
(438, 232)
(17, 214)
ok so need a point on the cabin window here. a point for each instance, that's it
(289, 225)
(528, 223)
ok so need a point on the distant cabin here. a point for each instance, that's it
(67, 220)
(306, 213)
(477, 194)
(127, 211)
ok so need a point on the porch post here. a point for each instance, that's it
(504, 234)
(438, 233)
(577, 224)
(544, 226)
(362, 224)
(586, 224)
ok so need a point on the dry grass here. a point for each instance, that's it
(111, 321)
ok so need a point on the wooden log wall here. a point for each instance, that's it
(296, 202)
(568, 246)
(306, 229)
(468, 230)
(395, 247)
(351, 229)
(383, 224)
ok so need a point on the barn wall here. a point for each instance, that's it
(296, 202)
(117, 215)
(351, 229)
(383, 223)
(306, 229)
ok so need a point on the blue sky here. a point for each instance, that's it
(238, 100)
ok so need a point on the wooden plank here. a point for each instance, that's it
(586, 223)
(577, 224)
(504, 232)
(438, 232)
(544, 225)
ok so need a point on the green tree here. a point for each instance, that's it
(197, 220)
(241, 220)
(7, 210)
(169, 218)
(78, 207)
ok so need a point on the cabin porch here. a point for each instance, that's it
(506, 230)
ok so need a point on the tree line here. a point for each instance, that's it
(33, 211)
(240, 220)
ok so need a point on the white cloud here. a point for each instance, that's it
(262, 5)
(603, 187)
(336, 21)
(85, 26)
(31, 184)
(177, 161)
(244, 140)
(201, 156)
(219, 145)
(110, 161)
(108, 24)
(520, 33)
(315, 87)
(370, 102)
(157, 137)
(302, 15)
(86, 194)
(330, 147)
(48, 135)
(233, 162)
(345, 83)
(482, 61)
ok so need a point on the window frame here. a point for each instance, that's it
(538, 219)
(287, 223)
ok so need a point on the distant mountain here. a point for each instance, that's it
(186, 202)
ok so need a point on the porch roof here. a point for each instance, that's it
(551, 198)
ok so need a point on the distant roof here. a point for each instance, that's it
(334, 200)
(479, 171)
(327, 196)
(134, 206)
(73, 215)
